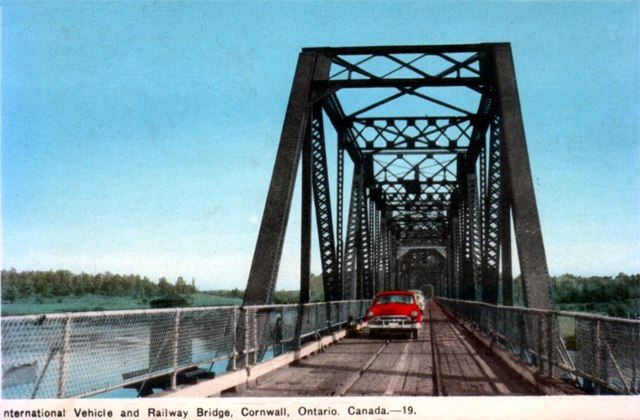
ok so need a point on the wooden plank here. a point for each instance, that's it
(323, 375)
(420, 380)
(241, 377)
(468, 368)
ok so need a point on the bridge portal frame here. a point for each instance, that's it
(478, 233)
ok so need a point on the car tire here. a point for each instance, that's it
(414, 334)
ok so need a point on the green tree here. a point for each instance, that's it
(181, 286)
(316, 288)
(10, 291)
(62, 283)
(164, 286)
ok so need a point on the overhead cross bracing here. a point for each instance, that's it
(440, 169)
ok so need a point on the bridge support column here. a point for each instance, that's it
(533, 263)
(296, 130)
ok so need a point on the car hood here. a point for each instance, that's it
(393, 309)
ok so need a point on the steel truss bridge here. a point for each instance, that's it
(440, 170)
(422, 183)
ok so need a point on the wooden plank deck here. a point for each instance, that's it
(444, 360)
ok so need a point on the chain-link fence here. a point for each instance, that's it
(274, 329)
(80, 354)
(599, 354)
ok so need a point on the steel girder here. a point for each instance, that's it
(350, 260)
(491, 183)
(435, 137)
(266, 258)
(357, 257)
(324, 222)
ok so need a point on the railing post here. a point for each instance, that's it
(64, 358)
(240, 338)
(539, 341)
(176, 349)
(599, 376)
(550, 341)
(281, 337)
(245, 349)
(329, 324)
(523, 333)
(234, 342)
(256, 345)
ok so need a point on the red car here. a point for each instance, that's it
(394, 310)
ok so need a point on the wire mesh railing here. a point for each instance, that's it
(81, 354)
(599, 354)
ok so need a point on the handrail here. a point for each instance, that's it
(105, 350)
(583, 315)
(604, 356)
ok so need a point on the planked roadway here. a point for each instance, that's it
(444, 360)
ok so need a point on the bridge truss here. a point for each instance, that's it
(432, 142)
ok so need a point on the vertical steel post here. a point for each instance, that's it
(234, 342)
(456, 257)
(64, 358)
(176, 349)
(540, 340)
(352, 264)
(393, 260)
(257, 335)
(340, 215)
(492, 213)
(447, 290)
(247, 343)
(305, 233)
(600, 372)
(322, 207)
(522, 330)
(475, 236)
(305, 222)
(550, 333)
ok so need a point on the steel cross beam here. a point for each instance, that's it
(436, 142)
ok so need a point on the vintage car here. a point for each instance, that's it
(394, 310)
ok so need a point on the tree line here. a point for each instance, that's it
(316, 292)
(61, 283)
(616, 296)
(570, 288)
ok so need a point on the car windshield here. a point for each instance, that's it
(394, 299)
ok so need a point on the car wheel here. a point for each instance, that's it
(414, 334)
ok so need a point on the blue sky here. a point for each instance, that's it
(139, 137)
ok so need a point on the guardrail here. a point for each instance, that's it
(81, 354)
(599, 354)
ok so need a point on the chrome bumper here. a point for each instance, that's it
(391, 323)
